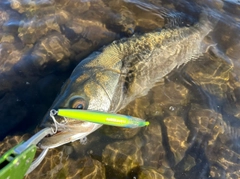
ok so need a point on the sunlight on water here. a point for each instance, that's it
(194, 112)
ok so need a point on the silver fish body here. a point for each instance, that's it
(121, 72)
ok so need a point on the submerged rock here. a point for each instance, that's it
(189, 163)
(233, 51)
(169, 98)
(86, 36)
(27, 5)
(9, 21)
(88, 168)
(50, 52)
(218, 141)
(119, 133)
(123, 156)
(4, 17)
(63, 162)
(153, 152)
(177, 135)
(207, 124)
(11, 141)
(74, 7)
(154, 174)
(137, 108)
(37, 25)
(12, 71)
(212, 75)
(39, 37)
(224, 161)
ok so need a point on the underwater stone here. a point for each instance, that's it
(153, 152)
(87, 36)
(206, 123)
(10, 60)
(216, 137)
(155, 109)
(123, 155)
(63, 17)
(6, 38)
(126, 22)
(119, 133)
(136, 108)
(28, 5)
(4, 16)
(37, 25)
(62, 162)
(152, 173)
(233, 51)
(50, 51)
(232, 7)
(75, 7)
(9, 21)
(170, 98)
(226, 160)
(217, 172)
(177, 134)
(212, 75)
(88, 168)
(212, 4)
(189, 163)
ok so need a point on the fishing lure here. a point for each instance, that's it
(103, 118)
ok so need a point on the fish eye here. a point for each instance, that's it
(80, 106)
(79, 103)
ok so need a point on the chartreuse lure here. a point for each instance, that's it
(103, 118)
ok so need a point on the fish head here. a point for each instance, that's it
(83, 92)
(87, 89)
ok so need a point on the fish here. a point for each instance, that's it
(109, 79)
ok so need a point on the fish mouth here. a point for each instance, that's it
(67, 132)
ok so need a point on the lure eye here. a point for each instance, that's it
(79, 103)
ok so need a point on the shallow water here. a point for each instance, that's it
(194, 111)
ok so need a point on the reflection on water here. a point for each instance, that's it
(193, 112)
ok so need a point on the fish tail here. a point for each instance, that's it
(207, 21)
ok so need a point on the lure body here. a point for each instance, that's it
(103, 118)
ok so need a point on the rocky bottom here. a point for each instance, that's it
(187, 137)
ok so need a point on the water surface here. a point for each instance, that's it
(194, 111)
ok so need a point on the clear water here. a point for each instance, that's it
(194, 111)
